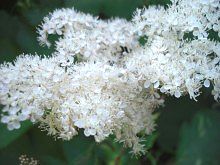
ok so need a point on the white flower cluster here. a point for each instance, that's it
(103, 80)
(87, 36)
(171, 62)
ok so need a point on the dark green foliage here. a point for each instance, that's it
(199, 140)
(7, 137)
(173, 115)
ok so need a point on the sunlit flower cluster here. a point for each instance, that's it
(171, 61)
(101, 79)
(88, 37)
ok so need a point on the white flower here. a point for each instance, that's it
(206, 83)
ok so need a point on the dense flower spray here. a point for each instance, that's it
(103, 80)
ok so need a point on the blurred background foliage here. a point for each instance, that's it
(187, 133)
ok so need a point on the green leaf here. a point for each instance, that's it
(172, 116)
(34, 143)
(121, 8)
(27, 41)
(80, 150)
(84, 150)
(106, 9)
(7, 137)
(158, 2)
(150, 140)
(44, 145)
(8, 51)
(10, 154)
(49, 160)
(199, 140)
(87, 6)
(34, 11)
(111, 153)
(9, 25)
